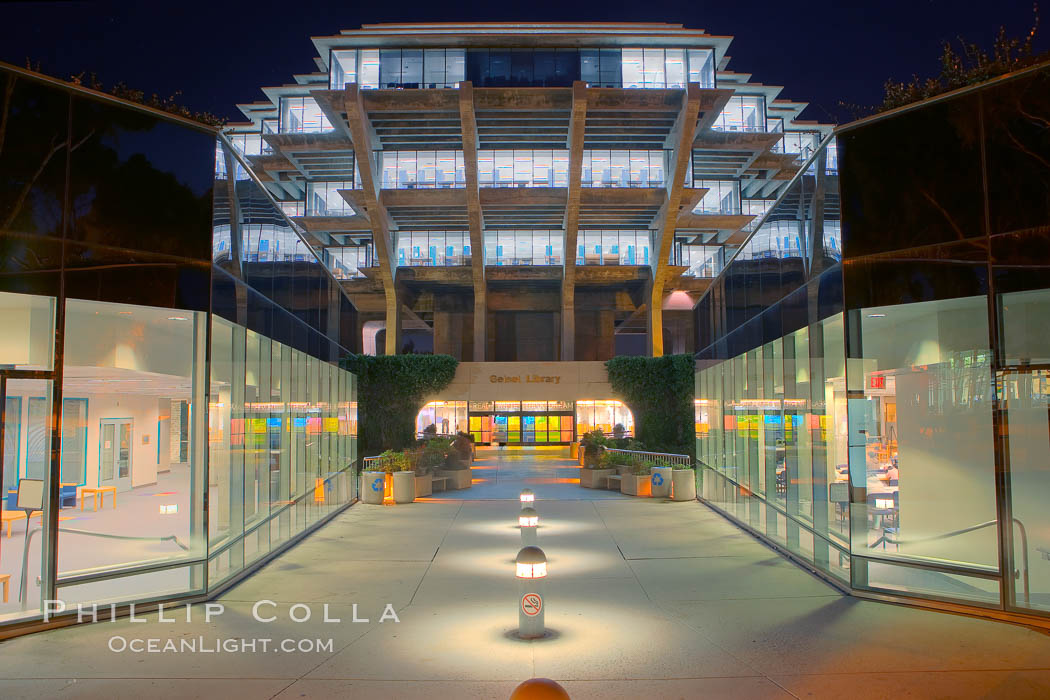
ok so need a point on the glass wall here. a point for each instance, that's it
(446, 417)
(886, 419)
(523, 168)
(423, 169)
(701, 260)
(612, 247)
(433, 248)
(446, 68)
(302, 115)
(517, 247)
(346, 262)
(743, 113)
(146, 263)
(603, 415)
(323, 198)
(723, 197)
(623, 168)
(281, 445)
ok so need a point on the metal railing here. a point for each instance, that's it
(980, 526)
(378, 463)
(662, 458)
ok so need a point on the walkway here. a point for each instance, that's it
(646, 599)
(502, 472)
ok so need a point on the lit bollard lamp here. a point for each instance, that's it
(528, 521)
(528, 498)
(531, 570)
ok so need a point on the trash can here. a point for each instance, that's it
(661, 482)
(373, 487)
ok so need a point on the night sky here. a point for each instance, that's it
(219, 54)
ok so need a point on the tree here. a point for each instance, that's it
(968, 65)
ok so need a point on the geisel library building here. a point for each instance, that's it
(868, 304)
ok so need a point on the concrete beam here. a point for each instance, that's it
(469, 127)
(362, 136)
(577, 127)
(712, 222)
(684, 133)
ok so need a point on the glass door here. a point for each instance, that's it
(114, 464)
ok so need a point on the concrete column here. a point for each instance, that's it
(577, 128)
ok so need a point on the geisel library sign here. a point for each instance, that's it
(529, 379)
(526, 402)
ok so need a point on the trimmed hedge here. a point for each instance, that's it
(390, 393)
(659, 392)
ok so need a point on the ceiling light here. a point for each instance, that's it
(876, 315)
(177, 318)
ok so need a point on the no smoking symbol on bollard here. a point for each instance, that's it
(531, 604)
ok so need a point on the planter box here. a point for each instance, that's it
(683, 483)
(404, 487)
(373, 487)
(635, 485)
(594, 478)
(424, 485)
(623, 471)
(457, 478)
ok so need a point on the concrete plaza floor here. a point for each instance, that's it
(645, 599)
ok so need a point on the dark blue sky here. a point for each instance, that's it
(219, 54)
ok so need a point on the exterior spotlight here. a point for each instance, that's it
(528, 520)
(531, 565)
(527, 497)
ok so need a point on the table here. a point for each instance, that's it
(99, 492)
(5, 581)
(9, 516)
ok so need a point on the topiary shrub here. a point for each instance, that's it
(390, 393)
(659, 391)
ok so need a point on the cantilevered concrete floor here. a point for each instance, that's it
(646, 599)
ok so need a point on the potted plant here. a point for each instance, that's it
(431, 456)
(457, 463)
(683, 483)
(403, 470)
(636, 481)
(595, 475)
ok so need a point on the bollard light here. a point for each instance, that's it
(528, 520)
(531, 564)
(527, 497)
(528, 517)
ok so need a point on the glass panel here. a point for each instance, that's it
(923, 447)
(129, 445)
(29, 330)
(31, 477)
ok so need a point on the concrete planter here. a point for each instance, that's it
(635, 485)
(457, 478)
(424, 485)
(623, 470)
(661, 478)
(404, 487)
(594, 478)
(683, 482)
(373, 487)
